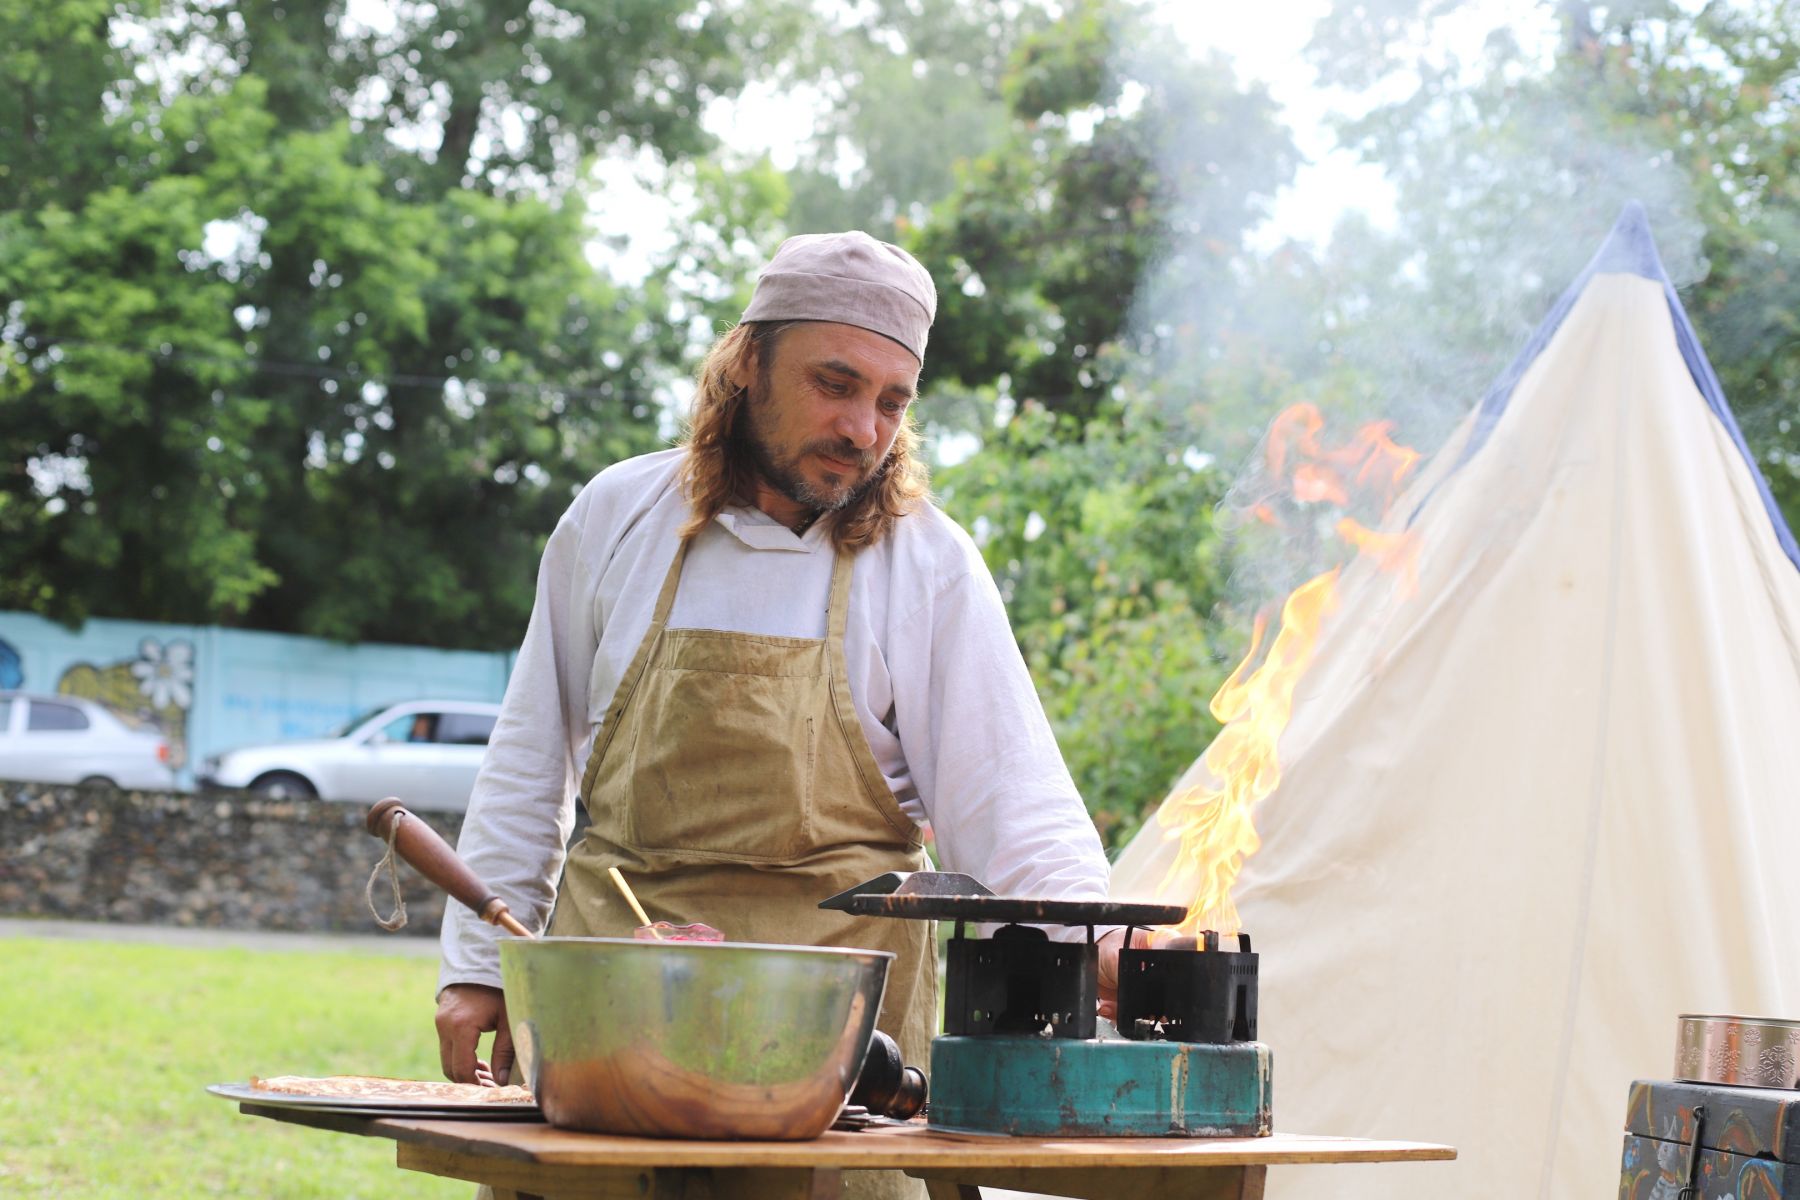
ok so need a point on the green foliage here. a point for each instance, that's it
(486, 376)
(738, 219)
(1510, 169)
(127, 454)
(1106, 179)
(1104, 547)
(1739, 67)
(1067, 67)
(914, 90)
(298, 326)
(1101, 233)
(57, 61)
(494, 95)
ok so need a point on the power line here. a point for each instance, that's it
(322, 371)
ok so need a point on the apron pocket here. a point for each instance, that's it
(722, 766)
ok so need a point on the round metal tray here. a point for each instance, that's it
(243, 1093)
(1738, 1051)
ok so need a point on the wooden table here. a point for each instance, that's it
(520, 1160)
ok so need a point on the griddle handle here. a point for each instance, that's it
(431, 856)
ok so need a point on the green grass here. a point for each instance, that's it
(105, 1050)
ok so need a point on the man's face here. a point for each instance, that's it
(823, 414)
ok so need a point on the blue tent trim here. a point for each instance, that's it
(1629, 249)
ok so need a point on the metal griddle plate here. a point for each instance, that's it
(945, 896)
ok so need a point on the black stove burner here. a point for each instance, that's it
(1020, 983)
(1189, 995)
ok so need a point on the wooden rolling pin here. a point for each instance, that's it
(432, 857)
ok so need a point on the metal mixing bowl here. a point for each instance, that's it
(717, 1040)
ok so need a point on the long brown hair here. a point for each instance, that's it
(717, 468)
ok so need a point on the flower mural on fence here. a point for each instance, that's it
(154, 690)
(165, 673)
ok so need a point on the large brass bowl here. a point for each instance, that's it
(716, 1040)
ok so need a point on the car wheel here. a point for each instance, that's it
(283, 785)
(99, 781)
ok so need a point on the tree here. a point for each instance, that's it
(1128, 163)
(58, 62)
(1105, 551)
(1512, 162)
(914, 92)
(1103, 235)
(299, 330)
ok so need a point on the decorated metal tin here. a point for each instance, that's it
(1740, 1051)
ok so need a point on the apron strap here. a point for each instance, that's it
(875, 786)
(837, 611)
(628, 684)
(665, 600)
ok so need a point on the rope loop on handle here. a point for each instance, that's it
(396, 920)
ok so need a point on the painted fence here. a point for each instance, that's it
(207, 689)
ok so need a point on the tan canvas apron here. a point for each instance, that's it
(733, 785)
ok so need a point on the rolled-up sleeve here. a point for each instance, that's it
(522, 810)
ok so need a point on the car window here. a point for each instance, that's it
(465, 729)
(5, 714)
(354, 723)
(47, 715)
(413, 727)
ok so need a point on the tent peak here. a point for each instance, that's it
(1630, 248)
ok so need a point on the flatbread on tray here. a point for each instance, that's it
(375, 1089)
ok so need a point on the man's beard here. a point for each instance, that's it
(782, 472)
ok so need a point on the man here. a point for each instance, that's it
(764, 661)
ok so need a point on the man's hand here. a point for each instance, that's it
(465, 1011)
(1110, 944)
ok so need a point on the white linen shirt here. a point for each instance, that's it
(937, 680)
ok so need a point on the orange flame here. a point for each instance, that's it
(1377, 458)
(1213, 821)
(1297, 428)
(1315, 482)
(1371, 459)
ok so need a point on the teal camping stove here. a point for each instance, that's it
(1021, 1052)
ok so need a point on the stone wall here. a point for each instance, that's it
(226, 860)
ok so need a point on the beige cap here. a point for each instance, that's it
(850, 278)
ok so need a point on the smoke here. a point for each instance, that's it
(1505, 187)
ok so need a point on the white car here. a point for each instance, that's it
(65, 739)
(424, 751)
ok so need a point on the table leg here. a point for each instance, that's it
(1091, 1183)
(524, 1179)
(937, 1189)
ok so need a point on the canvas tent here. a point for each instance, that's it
(1551, 800)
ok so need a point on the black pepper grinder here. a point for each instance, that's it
(888, 1087)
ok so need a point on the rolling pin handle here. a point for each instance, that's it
(431, 856)
(377, 820)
